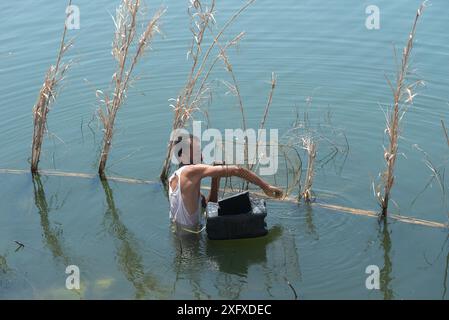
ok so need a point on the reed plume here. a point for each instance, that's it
(124, 41)
(47, 95)
(403, 94)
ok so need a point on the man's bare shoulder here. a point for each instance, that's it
(196, 170)
(199, 171)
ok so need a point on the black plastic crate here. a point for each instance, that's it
(234, 205)
(241, 216)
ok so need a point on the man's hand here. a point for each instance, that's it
(273, 191)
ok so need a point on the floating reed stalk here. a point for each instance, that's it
(195, 90)
(403, 94)
(124, 39)
(47, 96)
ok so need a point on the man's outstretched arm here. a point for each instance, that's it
(199, 171)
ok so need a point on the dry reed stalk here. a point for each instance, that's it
(236, 90)
(303, 138)
(251, 166)
(403, 94)
(47, 96)
(437, 175)
(310, 147)
(270, 100)
(294, 166)
(267, 108)
(124, 39)
(195, 90)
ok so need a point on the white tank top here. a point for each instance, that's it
(178, 212)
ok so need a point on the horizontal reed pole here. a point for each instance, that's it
(327, 206)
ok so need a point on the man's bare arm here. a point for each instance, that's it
(200, 171)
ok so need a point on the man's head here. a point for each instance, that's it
(187, 149)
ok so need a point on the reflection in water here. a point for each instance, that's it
(445, 277)
(3, 265)
(231, 259)
(309, 221)
(4, 278)
(282, 270)
(129, 258)
(290, 262)
(385, 272)
(52, 235)
(236, 256)
(189, 262)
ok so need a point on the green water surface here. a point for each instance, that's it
(119, 235)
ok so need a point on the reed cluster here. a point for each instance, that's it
(304, 139)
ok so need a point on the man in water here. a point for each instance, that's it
(186, 200)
